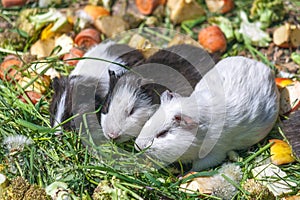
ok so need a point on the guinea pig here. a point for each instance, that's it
(135, 96)
(85, 89)
(234, 106)
(132, 102)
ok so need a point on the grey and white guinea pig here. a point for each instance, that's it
(127, 106)
(234, 106)
(89, 79)
(133, 99)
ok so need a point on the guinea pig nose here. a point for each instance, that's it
(113, 135)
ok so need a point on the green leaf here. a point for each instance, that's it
(296, 57)
(33, 126)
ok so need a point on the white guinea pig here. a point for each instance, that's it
(132, 102)
(234, 106)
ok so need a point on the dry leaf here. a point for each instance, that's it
(287, 35)
(142, 44)
(181, 10)
(43, 68)
(295, 197)
(200, 184)
(216, 184)
(290, 98)
(111, 25)
(65, 42)
(281, 35)
(295, 36)
(183, 39)
(283, 82)
(129, 12)
(274, 178)
(281, 152)
(42, 48)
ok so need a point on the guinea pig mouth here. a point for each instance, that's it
(142, 145)
(112, 135)
(122, 138)
(137, 147)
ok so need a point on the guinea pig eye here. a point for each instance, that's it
(162, 134)
(131, 112)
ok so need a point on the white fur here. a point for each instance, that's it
(97, 68)
(60, 109)
(117, 123)
(235, 106)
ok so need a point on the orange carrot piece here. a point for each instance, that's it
(95, 11)
(88, 38)
(212, 39)
(74, 53)
(10, 3)
(8, 68)
(146, 7)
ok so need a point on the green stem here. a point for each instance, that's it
(257, 153)
(235, 184)
(157, 34)
(11, 51)
(132, 185)
(19, 168)
(127, 190)
(255, 52)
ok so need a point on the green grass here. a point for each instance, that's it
(125, 172)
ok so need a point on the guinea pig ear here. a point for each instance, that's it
(111, 73)
(56, 83)
(166, 96)
(113, 79)
(105, 105)
(185, 121)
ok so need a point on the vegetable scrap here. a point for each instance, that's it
(281, 152)
(212, 39)
(273, 178)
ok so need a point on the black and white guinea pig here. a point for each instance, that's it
(85, 89)
(234, 106)
(135, 95)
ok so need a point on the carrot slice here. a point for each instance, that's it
(74, 53)
(212, 39)
(96, 11)
(146, 7)
(8, 68)
(88, 38)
